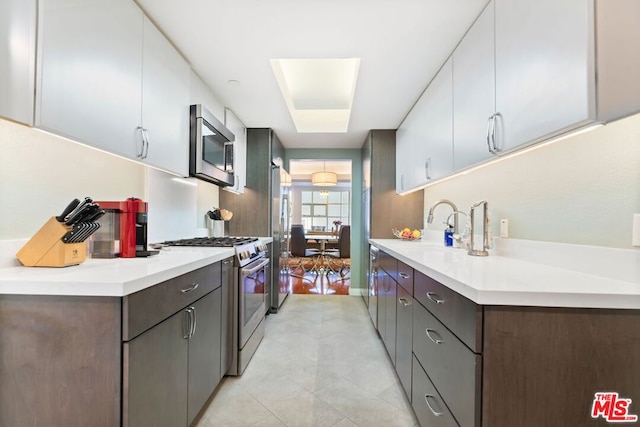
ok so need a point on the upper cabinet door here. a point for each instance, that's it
(165, 103)
(233, 123)
(424, 141)
(90, 73)
(473, 91)
(545, 83)
(18, 53)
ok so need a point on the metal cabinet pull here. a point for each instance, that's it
(427, 168)
(190, 288)
(140, 153)
(433, 297)
(404, 275)
(437, 339)
(495, 147)
(194, 321)
(145, 138)
(227, 261)
(426, 399)
(404, 302)
(187, 324)
(402, 182)
(489, 133)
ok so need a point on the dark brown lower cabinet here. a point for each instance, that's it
(404, 336)
(60, 361)
(156, 376)
(463, 364)
(152, 358)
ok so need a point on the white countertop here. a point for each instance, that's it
(115, 277)
(500, 280)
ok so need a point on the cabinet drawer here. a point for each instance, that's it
(388, 264)
(452, 367)
(461, 315)
(427, 403)
(150, 306)
(405, 277)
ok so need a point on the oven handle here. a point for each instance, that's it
(247, 272)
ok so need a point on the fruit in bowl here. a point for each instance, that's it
(407, 234)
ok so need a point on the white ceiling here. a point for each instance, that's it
(401, 43)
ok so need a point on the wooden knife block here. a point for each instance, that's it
(45, 249)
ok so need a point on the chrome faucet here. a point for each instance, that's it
(455, 211)
(485, 230)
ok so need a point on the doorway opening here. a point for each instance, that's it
(324, 209)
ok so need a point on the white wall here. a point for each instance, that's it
(41, 173)
(581, 190)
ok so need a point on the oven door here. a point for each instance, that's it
(252, 281)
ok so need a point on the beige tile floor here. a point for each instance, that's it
(321, 363)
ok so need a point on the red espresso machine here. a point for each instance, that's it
(123, 231)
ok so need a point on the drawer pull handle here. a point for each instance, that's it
(227, 261)
(426, 399)
(435, 298)
(404, 302)
(190, 288)
(404, 275)
(438, 339)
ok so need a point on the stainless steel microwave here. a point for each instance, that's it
(210, 148)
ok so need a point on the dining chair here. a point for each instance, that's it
(344, 249)
(298, 249)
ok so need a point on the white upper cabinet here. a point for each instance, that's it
(18, 53)
(110, 79)
(165, 103)
(233, 123)
(545, 79)
(424, 140)
(90, 72)
(474, 92)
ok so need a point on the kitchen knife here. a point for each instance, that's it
(78, 213)
(95, 215)
(69, 236)
(87, 212)
(74, 213)
(70, 207)
(88, 229)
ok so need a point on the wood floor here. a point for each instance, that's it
(320, 283)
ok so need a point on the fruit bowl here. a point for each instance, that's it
(406, 234)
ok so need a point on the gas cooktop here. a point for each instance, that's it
(212, 242)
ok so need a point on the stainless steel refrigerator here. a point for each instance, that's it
(258, 212)
(280, 224)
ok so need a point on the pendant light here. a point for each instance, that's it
(324, 178)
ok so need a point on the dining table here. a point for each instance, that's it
(322, 237)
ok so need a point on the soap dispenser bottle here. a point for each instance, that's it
(448, 235)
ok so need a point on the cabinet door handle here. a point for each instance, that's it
(495, 147)
(190, 288)
(145, 136)
(187, 324)
(227, 261)
(404, 275)
(431, 333)
(427, 168)
(433, 297)
(426, 399)
(404, 302)
(140, 153)
(488, 137)
(402, 182)
(194, 321)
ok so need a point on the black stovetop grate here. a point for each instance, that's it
(212, 242)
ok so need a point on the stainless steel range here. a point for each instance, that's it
(251, 284)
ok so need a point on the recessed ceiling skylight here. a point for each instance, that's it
(318, 92)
